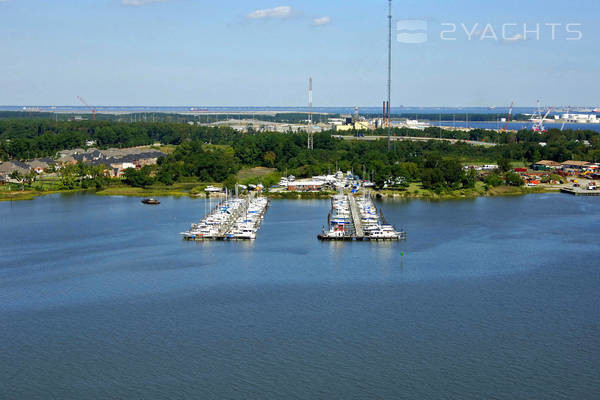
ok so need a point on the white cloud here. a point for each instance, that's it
(321, 21)
(269, 13)
(136, 3)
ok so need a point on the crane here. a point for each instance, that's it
(565, 121)
(539, 125)
(92, 109)
(509, 116)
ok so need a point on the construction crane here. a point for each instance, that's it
(508, 117)
(565, 120)
(92, 109)
(539, 125)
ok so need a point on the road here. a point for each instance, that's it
(416, 139)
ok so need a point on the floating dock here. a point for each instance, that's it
(357, 219)
(231, 219)
(580, 192)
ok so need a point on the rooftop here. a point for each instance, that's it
(10, 166)
(577, 163)
(549, 163)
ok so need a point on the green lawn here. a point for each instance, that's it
(416, 191)
(177, 189)
(256, 172)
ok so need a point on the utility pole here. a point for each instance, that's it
(389, 74)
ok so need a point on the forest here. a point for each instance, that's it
(214, 154)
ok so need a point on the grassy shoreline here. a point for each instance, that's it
(20, 195)
(414, 192)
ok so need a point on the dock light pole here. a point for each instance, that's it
(389, 75)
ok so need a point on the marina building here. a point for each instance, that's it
(305, 186)
(576, 165)
(546, 165)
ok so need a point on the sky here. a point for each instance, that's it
(261, 53)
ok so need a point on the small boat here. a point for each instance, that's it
(151, 201)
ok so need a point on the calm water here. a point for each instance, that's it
(494, 298)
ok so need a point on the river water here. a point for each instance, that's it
(488, 298)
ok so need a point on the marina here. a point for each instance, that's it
(358, 219)
(232, 219)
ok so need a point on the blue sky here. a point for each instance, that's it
(261, 53)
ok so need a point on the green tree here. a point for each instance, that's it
(504, 164)
(514, 179)
(17, 176)
(67, 177)
(469, 179)
(138, 177)
(270, 157)
(30, 177)
(230, 182)
(433, 179)
(494, 180)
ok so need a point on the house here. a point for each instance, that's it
(66, 157)
(120, 167)
(8, 167)
(40, 164)
(545, 165)
(117, 159)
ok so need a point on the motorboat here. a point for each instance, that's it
(151, 201)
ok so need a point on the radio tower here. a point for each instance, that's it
(389, 77)
(310, 116)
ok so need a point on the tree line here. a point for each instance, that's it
(214, 154)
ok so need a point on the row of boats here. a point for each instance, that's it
(358, 219)
(231, 219)
(240, 218)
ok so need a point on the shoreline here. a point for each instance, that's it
(464, 194)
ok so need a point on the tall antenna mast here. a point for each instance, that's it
(310, 100)
(310, 144)
(389, 75)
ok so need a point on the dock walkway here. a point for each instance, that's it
(359, 233)
(236, 219)
(580, 192)
(230, 222)
(351, 219)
